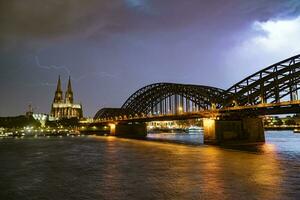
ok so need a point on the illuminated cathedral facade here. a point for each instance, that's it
(64, 106)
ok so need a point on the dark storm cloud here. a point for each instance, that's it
(113, 47)
(56, 18)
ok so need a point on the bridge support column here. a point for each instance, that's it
(242, 131)
(130, 130)
(112, 129)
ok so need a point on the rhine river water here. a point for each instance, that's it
(112, 168)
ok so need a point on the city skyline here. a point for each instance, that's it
(149, 99)
(111, 49)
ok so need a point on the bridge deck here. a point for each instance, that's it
(287, 107)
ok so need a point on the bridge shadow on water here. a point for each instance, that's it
(196, 140)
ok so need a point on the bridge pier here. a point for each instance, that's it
(129, 130)
(241, 131)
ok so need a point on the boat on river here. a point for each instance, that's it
(194, 129)
(297, 130)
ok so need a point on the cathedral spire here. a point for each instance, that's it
(58, 93)
(69, 92)
(69, 85)
(58, 89)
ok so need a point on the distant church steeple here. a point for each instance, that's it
(69, 92)
(58, 98)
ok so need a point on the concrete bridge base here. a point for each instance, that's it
(129, 130)
(244, 131)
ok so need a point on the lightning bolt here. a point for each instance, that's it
(49, 67)
(68, 71)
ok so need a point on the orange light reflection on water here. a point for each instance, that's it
(269, 148)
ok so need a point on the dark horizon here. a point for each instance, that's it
(111, 49)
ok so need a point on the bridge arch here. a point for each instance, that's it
(168, 97)
(274, 84)
(111, 113)
(269, 85)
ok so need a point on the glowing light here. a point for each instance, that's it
(234, 103)
(270, 41)
(112, 128)
(278, 34)
(180, 109)
(208, 123)
(269, 147)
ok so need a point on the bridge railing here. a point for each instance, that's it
(196, 114)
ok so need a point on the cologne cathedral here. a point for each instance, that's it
(65, 107)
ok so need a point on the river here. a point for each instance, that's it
(113, 168)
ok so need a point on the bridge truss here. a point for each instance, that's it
(166, 98)
(274, 84)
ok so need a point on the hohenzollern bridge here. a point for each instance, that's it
(229, 115)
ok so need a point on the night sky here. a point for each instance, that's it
(111, 48)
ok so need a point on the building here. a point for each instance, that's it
(65, 107)
(41, 117)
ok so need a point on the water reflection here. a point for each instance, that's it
(112, 168)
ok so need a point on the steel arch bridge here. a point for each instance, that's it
(270, 85)
(163, 95)
(166, 98)
(274, 84)
(108, 113)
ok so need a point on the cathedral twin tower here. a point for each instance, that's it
(65, 108)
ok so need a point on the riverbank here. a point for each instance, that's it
(283, 127)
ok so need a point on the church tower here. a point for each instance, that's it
(69, 93)
(65, 107)
(58, 98)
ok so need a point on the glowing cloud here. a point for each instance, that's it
(279, 36)
(270, 42)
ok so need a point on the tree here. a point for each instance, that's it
(19, 122)
(278, 121)
(289, 121)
